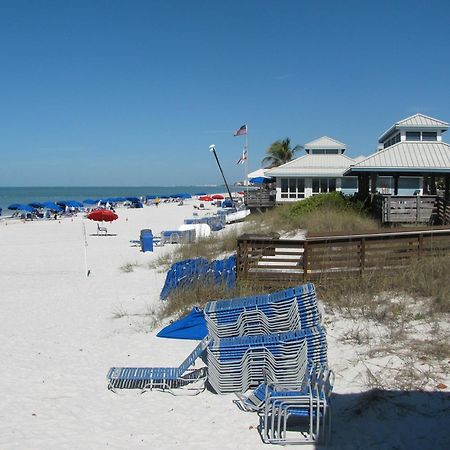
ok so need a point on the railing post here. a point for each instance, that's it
(420, 247)
(362, 255)
(418, 215)
(305, 261)
(388, 206)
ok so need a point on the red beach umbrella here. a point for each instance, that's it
(205, 198)
(217, 197)
(102, 215)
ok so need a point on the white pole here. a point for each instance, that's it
(87, 271)
(246, 159)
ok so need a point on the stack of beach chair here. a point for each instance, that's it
(184, 273)
(288, 310)
(275, 344)
(261, 337)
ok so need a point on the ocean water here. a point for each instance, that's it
(9, 195)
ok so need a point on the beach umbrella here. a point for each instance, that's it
(198, 194)
(205, 198)
(217, 197)
(102, 215)
(52, 206)
(75, 204)
(133, 199)
(261, 180)
(36, 205)
(90, 201)
(185, 195)
(20, 207)
(151, 197)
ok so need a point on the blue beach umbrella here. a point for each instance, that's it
(261, 180)
(133, 199)
(185, 195)
(90, 201)
(200, 193)
(151, 197)
(75, 204)
(36, 205)
(52, 206)
(20, 207)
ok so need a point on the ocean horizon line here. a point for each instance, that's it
(111, 186)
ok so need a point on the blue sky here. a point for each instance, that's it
(134, 92)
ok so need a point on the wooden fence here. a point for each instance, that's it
(260, 198)
(265, 259)
(405, 209)
(443, 211)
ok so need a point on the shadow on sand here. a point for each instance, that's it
(380, 419)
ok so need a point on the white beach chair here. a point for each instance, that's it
(101, 230)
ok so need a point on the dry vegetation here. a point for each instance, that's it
(388, 308)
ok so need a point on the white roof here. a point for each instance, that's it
(416, 121)
(257, 173)
(408, 156)
(325, 142)
(313, 165)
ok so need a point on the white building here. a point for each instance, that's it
(411, 155)
(320, 170)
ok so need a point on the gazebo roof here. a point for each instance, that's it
(407, 157)
(325, 142)
(313, 165)
(420, 121)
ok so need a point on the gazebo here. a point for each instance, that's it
(413, 149)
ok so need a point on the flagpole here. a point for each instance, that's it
(246, 159)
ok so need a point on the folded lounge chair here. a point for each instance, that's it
(163, 378)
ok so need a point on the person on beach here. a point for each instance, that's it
(156, 201)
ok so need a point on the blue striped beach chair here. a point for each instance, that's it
(171, 379)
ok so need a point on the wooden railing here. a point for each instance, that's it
(260, 198)
(404, 209)
(265, 259)
(443, 211)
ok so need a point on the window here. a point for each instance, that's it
(320, 185)
(315, 183)
(292, 188)
(331, 185)
(327, 151)
(413, 135)
(429, 136)
(284, 188)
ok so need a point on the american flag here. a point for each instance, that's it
(241, 131)
(243, 158)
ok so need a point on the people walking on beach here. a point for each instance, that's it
(156, 201)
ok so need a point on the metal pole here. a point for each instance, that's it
(212, 148)
(246, 154)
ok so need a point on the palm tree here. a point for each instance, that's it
(280, 152)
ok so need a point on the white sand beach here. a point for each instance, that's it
(59, 336)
